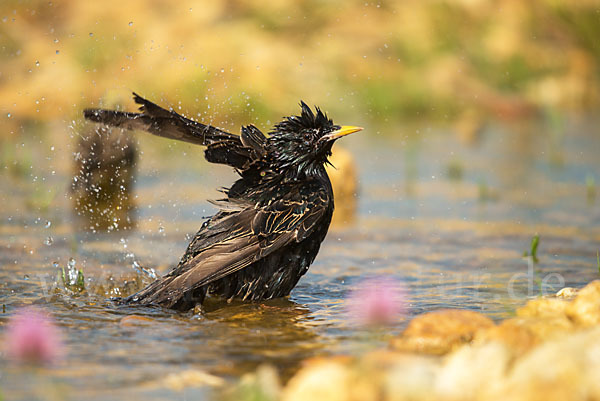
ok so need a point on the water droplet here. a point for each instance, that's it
(55, 40)
(48, 224)
(161, 229)
(72, 272)
(91, 34)
(37, 63)
(49, 241)
(8, 115)
(130, 23)
(58, 52)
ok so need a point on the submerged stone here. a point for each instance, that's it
(135, 320)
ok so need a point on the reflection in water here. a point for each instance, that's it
(272, 332)
(104, 173)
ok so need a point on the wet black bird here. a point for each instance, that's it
(272, 221)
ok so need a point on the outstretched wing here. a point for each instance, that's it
(231, 241)
(222, 147)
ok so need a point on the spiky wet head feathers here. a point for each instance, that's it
(296, 140)
(306, 120)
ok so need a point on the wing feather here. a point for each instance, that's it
(222, 147)
(232, 241)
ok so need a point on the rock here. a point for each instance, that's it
(441, 331)
(565, 369)
(472, 372)
(547, 352)
(543, 307)
(261, 385)
(327, 380)
(567, 292)
(377, 375)
(521, 334)
(191, 378)
(410, 377)
(539, 320)
(514, 335)
(585, 308)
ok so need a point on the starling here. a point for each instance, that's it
(272, 220)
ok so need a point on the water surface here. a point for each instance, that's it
(449, 218)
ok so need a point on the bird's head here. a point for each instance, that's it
(301, 144)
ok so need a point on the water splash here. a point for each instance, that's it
(72, 277)
(147, 271)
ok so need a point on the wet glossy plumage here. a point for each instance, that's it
(272, 220)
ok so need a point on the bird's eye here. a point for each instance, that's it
(307, 137)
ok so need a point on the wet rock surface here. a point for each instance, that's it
(441, 331)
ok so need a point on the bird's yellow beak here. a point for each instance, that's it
(343, 131)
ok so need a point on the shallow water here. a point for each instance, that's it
(451, 219)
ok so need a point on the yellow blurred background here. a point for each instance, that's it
(241, 61)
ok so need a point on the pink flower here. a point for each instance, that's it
(378, 301)
(32, 337)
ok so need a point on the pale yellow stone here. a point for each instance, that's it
(410, 377)
(567, 292)
(585, 308)
(441, 331)
(543, 307)
(565, 369)
(264, 384)
(472, 372)
(324, 381)
(191, 378)
(521, 334)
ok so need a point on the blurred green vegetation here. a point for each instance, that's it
(240, 61)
